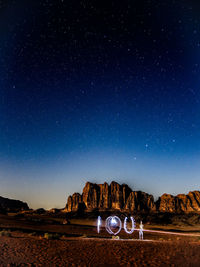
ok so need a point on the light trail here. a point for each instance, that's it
(132, 228)
(167, 232)
(112, 220)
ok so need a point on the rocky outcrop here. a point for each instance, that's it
(11, 205)
(116, 196)
(104, 196)
(73, 202)
(121, 197)
(140, 201)
(90, 196)
(195, 199)
(179, 203)
(110, 197)
(166, 203)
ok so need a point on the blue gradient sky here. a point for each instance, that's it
(98, 93)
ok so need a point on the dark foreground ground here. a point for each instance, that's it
(81, 245)
(22, 250)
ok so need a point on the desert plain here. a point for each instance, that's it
(43, 240)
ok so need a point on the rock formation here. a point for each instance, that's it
(74, 202)
(179, 203)
(110, 197)
(140, 201)
(104, 197)
(11, 205)
(90, 196)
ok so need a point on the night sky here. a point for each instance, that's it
(98, 91)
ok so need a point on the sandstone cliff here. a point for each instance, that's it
(104, 197)
(110, 197)
(179, 203)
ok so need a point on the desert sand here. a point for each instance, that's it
(81, 245)
(23, 250)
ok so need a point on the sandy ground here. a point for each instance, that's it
(81, 245)
(23, 250)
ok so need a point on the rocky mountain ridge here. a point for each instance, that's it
(12, 205)
(105, 197)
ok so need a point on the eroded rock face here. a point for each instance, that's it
(73, 202)
(179, 203)
(12, 205)
(140, 201)
(166, 203)
(110, 197)
(183, 203)
(116, 196)
(91, 195)
(104, 196)
(121, 197)
(125, 193)
(195, 200)
(131, 202)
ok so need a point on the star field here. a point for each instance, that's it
(99, 90)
